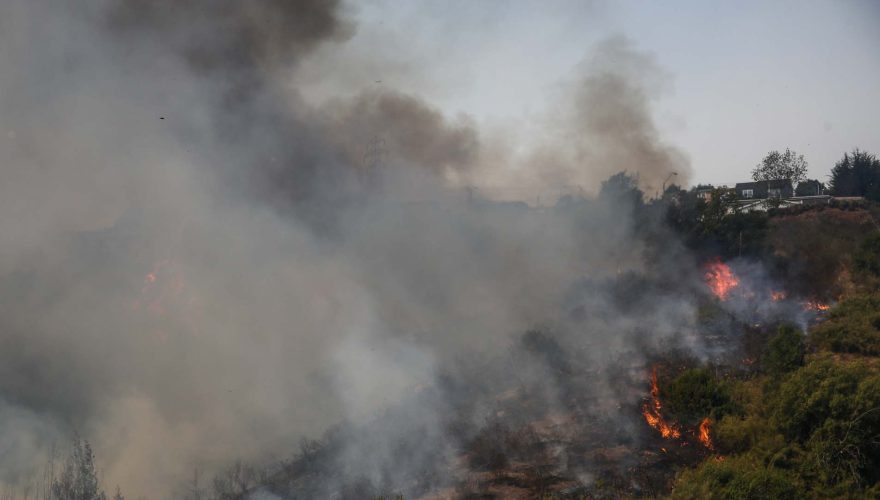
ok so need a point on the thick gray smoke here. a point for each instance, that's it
(601, 124)
(197, 266)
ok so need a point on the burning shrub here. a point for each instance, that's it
(720, 278)
(696, 393)
(785, 351)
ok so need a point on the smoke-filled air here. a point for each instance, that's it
(232, 266)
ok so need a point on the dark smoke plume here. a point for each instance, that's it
(197, 265)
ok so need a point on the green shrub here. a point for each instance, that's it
(696, 394)
(853, 326)
(833, 409)
(785, 351)
(736, 478)
(867, 258)
(761, 484)
(733, 434)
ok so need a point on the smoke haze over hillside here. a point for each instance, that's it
(198, 265)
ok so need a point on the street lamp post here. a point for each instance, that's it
(665, 181)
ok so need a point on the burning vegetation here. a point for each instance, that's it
(652, 408)
(720, 279)
(705, 437)
(379, 326)
(547, 427)
(812, 305)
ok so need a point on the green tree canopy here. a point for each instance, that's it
(622, 186)
(79, 478)
(809, 187)
(776, 165)
(857, 174)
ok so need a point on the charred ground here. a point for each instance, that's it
(741, 391)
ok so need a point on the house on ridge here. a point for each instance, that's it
(762, 195)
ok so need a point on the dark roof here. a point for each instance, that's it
(774, 184)
(761, 188)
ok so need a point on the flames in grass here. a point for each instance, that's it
(777, 296)
(722, 282)
(720, 278)
(704, 435)
(814, 305)
(651, 411)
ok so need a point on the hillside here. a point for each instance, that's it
(732, 356)
(767, 412)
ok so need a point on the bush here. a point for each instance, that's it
(785, 351)
(735, 479)
(867, 259)
(696, 394)
(736, 435)
(833, 409)
(852, 326)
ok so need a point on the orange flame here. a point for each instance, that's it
(776, 296)
(705, 438)
(720, 279)
(166, 297)
(651, 411)
(814, 305)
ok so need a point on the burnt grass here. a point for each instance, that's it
(578, 448)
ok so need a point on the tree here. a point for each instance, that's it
(776, 165)
(857, 174)
(79, 478)
(809, 187)
(623, 187)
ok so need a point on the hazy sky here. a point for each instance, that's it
(742, 78)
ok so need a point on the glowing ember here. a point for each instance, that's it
(651, 411)
(165, 296)
(705, 438)
(777, 296)
(720, 279)
(814, 305)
